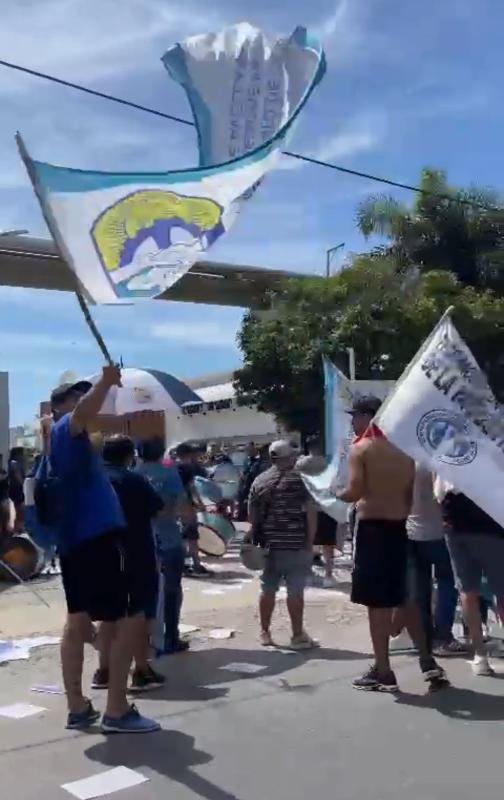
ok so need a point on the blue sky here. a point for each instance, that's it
(408, 85)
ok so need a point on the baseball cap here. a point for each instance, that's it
(282, 449)
(366, 404)
(61, 393)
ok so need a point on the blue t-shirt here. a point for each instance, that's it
(166, 481)
(90, 505)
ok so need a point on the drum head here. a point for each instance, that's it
(215, 532)
(227, 477)
(20, 554)
(209, 541)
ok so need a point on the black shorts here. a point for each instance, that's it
(190, 532)
(94, 578)
(379, 578)
(326, 530)
(142, 577)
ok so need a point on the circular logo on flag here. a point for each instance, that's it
(446, 435)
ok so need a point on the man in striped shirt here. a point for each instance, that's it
(278, 506)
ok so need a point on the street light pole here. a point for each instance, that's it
(329, 255)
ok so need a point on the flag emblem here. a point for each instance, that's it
(446, 435)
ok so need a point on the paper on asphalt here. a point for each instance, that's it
(185, 629)
(113, 780)
(244, 668)
(221, 633)
(20, 710)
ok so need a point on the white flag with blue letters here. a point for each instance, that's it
(444, 414)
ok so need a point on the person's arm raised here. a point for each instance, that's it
(354, 488)
(89, 406)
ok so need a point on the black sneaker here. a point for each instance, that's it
(100, 679)
(431, 670)
(200, 569)
(371, 681)
(146, 681)
(79, 721)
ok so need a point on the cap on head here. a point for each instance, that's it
(366, 404)
(63, 392)
(282, 449)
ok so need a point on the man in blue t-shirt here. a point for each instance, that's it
(171, 552)
(90, 526)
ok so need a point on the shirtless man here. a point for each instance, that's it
(380, 480)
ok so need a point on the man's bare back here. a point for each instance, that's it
(380, 480)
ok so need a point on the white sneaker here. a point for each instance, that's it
(329, 582)
(400, 643)
(481, 667)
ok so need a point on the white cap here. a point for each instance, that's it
(282, 449)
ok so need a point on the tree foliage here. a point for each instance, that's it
(439, 232)
(368, 307)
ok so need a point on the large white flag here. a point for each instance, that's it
(128, 235)
(339, 394)
(443, 412)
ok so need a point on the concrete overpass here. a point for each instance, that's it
(36, 264)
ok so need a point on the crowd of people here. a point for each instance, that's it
(125, 520)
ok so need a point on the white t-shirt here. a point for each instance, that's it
(425, 522)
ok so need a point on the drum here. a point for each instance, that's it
(23, 557)
(209, 491)
(227, 476)
(215, 533)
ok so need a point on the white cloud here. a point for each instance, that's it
(94, 39)
(193, 333)
(346, 144)
(366, 131)
(331, 25)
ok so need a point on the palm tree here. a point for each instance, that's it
(459, 230)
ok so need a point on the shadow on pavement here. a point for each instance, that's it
(462, 704)
(169, 753)
(191, 676)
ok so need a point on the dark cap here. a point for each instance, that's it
(61, 393)
(366, 404)
(185, 449)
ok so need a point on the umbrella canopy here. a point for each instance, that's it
(146, 390)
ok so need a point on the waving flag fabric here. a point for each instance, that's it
(128, 235)
(443, 413)
(339, 393)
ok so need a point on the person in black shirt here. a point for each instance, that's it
(140, 504)
(476, 545)
(17, 474)
(189, 469)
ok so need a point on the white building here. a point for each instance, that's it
(220, 416)
(4, 417)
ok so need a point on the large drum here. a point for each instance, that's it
(227, 477)
(209, 491)
(23, 557)
(215, 533)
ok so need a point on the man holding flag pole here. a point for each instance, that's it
(380, 481)
(443, 414)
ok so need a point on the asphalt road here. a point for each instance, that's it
(296, 730)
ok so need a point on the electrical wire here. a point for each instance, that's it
(300, 156)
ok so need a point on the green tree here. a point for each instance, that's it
(440, 232)
(367, 307)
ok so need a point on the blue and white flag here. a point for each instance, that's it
(339, 394)
(443, 413)
(128, 235)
